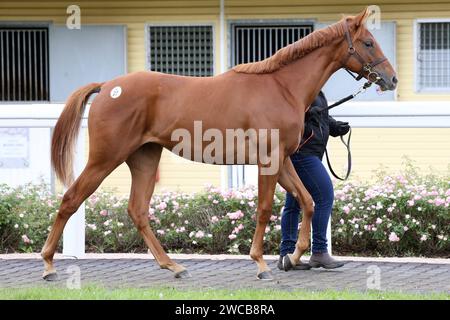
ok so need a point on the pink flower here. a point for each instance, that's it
(267, 229)
(161, 232)
(232, 236)
(439, 201)
(346, 209)
(235, 215)
(104, 213)
(93, 200)
(215, 201)
(410, 203)
(199, 234)
(423, 238)
(251, 204)
(393, 237)
(379, 221)
(26, 239)
(273, 218)
(161, 206)
(214, 219)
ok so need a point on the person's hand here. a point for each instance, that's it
(342, 128)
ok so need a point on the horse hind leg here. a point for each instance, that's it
(83, 187)
(143, 164)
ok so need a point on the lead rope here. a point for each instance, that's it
(349, 156)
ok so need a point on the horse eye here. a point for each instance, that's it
(369, 44)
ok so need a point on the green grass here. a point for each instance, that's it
(100, 293)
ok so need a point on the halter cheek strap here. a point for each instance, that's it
(366, 67)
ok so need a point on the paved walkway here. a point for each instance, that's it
(232, 272)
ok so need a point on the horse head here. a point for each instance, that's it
(363, 54)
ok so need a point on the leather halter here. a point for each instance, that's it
(366, 67)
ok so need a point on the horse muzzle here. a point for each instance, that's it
(385, 82)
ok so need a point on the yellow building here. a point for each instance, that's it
(414, 121)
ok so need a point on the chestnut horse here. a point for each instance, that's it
(133, 117)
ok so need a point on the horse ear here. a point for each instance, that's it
(361, 18)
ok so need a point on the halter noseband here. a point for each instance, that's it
(372, 76)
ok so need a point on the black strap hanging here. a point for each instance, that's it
(349, 158)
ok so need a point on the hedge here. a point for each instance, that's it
(402, 215)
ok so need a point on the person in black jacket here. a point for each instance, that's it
(308, 164)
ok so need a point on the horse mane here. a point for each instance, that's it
(294, 51)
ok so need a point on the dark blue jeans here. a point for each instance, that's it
(318, 183)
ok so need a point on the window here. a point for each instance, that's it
(433, 56)
(182, 50)
(77, 57)
(256, 42)
(24, 64)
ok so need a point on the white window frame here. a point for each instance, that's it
(417, 88)
(179, 24)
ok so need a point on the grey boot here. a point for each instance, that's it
(284, 263)
(324, 260)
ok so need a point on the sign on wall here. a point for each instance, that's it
(14, 148)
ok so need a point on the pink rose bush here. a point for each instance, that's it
(403, 214)
(397, 215)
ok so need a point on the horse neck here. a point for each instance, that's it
(305, 77)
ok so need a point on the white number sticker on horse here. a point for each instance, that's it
(116, 92)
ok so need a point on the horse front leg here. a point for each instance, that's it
(290, 181)
(266, 190)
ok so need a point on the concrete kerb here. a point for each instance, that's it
(113, 256)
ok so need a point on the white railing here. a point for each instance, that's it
(394, 114)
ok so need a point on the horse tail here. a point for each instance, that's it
(66, 132)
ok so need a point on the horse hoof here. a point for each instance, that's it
(287, 264)
(52, 276)
(265, 275)
(183, 274)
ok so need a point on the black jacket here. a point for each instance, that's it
(317, 143)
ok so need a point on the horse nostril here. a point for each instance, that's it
(394, 79)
